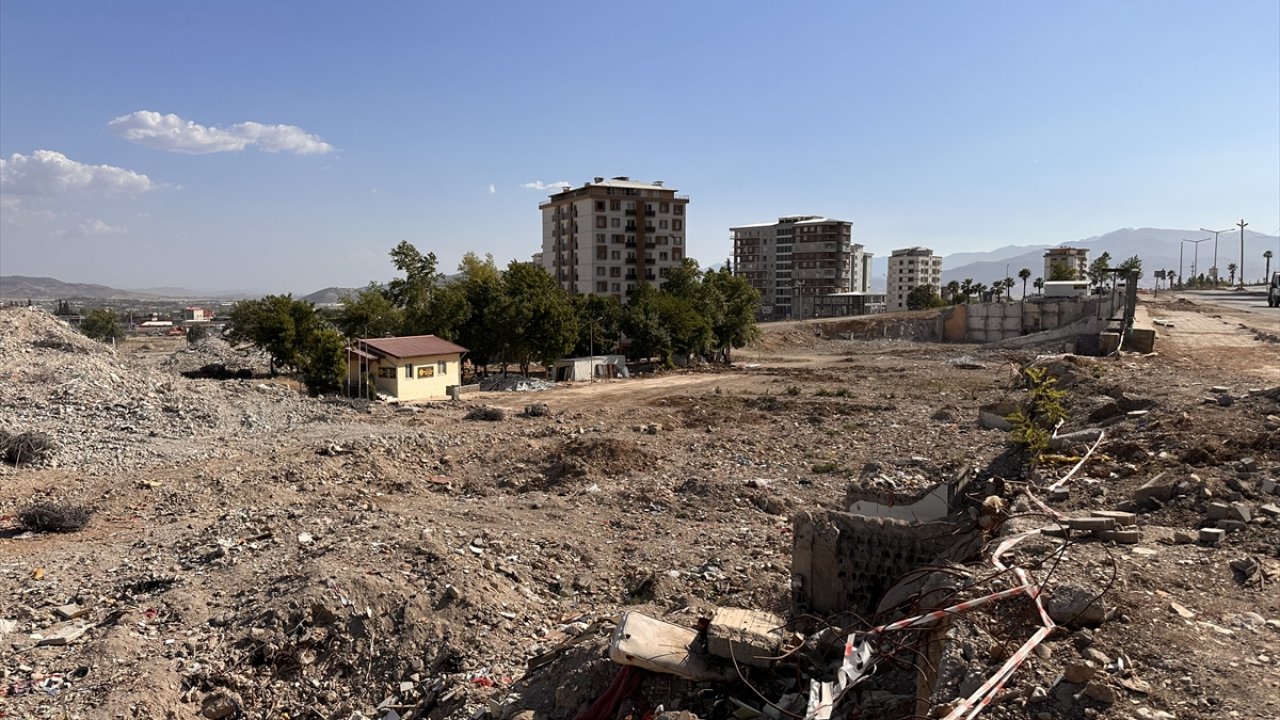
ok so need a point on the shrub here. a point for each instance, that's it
(485, 412)
(25, 448)
(793, 390)
(1033, 424)
(47, 516)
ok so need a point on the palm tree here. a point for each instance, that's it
(1231, 274)
(1267, 277)
(953, 290)
(1008, 288)
(966, 288)
(1025, 274)
(1038, 284)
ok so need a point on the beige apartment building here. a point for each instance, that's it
(608, 236)
(798, 259)
(1072, 258)
(910, 268)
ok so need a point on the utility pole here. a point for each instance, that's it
(1181, 246)
(1215, 251)
(1242, 225)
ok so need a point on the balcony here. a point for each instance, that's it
(629, 213)
(650, 213)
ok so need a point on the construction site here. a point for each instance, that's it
(853, 520)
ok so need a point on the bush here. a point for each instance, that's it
(25, 448)
(536, 410)
(47, 516)
(485, 412)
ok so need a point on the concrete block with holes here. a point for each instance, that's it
(751, 637)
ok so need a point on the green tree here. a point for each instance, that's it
(1132, 263)
(64, 308)
(102, 324)
(1038, 284)
(1098, 269)
(370, 313)
(1231, 273)
(323, 360)
(923, 296)
(737, 305)
(278, 324)
(643, 325)
(1266, 277)
(599, 323)
(952, 291)
(481, 332)
(1024, 274)
(1061, 271)
(536, 316)
(966, 288)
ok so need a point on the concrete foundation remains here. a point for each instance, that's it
(844, 562)
(749, 637)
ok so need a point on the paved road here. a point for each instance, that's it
(1251, 301)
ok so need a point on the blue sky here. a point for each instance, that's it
(288, 146)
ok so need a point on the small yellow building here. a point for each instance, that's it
(407, 368)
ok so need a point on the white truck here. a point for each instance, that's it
(1273, 290)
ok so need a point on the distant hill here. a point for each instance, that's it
(329, 295)
(22, 287)
(1157, 247)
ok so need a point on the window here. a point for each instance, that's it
(600, 270)
(617, 287)
(601, 222)
(599, 206)
(388, 373)
(615, 222)
(426, 371)
(600, 237)
(615, 204)
(602, 287)
(662, 224)
(677, 224)
(678, 209)
(408, 371)
(442, 367)
(664, 207)
(615, 255)
(662, 256)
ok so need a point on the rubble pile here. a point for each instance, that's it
(833, 535)
(514, 383)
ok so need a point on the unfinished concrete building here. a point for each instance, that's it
(798, 259)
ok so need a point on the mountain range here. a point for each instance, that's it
(1157, 247)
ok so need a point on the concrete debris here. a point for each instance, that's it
(661, 647)
(1076, 606)
(748, 637)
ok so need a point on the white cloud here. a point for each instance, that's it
(48, 173)
(175, 134)
(492, 188)
(91, 228)
(539, 185)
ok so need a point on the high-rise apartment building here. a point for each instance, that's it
(798, 258)
(910, 268)
(608, 236)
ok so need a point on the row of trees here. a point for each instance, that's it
(518, 316)
(960, 292)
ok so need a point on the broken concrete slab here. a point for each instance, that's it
(1091, 524)
(662, 647)
(1123, 519)
(1124, 536)
(1160, 488)
(1076, 606)
(64, 634)
(750, 637)
(1079, 437)
(1211, 536)
(1217, 510)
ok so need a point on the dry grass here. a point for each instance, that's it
(50, 516)
(25, 448)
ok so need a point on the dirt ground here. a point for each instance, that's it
(255, 553)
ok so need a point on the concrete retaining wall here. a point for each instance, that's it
(993, 322)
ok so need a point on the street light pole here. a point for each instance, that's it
(1181, 247)
(1215, 251)
(1242, 225)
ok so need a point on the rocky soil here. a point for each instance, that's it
(256, 553)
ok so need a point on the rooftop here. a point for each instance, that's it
(410, 346)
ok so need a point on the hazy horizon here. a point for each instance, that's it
(263, 147)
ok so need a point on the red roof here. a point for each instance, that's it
(412, 346)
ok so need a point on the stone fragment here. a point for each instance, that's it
(1269, 487)
(1101, 692)
(71, 611)
(64, 634)
(1123, 519)
(218, 705)
(1079, 673)
(1226, 400)
(1182, 610)
(1183, 537)
(1076, 606)
(1270, 509)
(1079, 437)
(1126, 536)
(750, 637)
(1218, 510)
(1211, 536)
(1158, 489)
(1230, 525)
(1240, 511)
(1091, 524)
